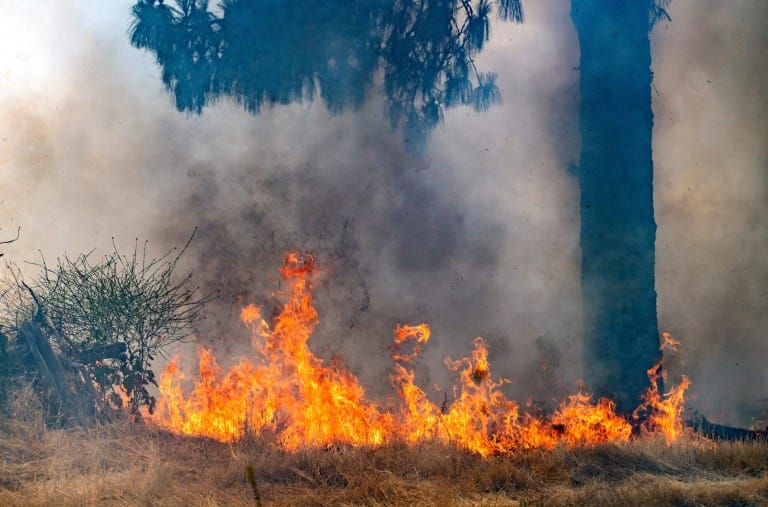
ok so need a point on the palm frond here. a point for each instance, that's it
(659, 12)
(511, 10)
(458, 90)
(150, 25)
(487, 93)
(479, 26)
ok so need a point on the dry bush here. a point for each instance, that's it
(127, 307)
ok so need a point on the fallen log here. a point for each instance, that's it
(702, 426)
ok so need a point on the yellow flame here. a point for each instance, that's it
(288, 394)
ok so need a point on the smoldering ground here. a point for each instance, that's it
(477, 235)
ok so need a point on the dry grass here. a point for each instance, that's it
(124, 464)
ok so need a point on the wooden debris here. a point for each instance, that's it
(702, 426)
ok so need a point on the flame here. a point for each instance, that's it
(668, 343)
(291, 393)
(418, 415)
(662, 414)
(584, 423)
(288, 394)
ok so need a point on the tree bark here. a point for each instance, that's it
(618, 231)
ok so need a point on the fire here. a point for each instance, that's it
(663, 413)
(289, 395)
(585, 423)
(668, 343)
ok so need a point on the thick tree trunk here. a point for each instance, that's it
(618, 230)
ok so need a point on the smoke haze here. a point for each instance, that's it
(478, 235)
(711, 164)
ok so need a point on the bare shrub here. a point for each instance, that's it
(87, 306)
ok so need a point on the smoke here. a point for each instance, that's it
(711, 156)
(478, 235)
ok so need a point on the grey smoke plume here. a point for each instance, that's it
(711, 155)
(477, 236)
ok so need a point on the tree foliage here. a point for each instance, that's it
(275, 52)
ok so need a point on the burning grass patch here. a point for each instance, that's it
(286, 392)
(127, 464)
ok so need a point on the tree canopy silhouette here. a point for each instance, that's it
(267, 52)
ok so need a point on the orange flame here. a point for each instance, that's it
(583, 423)
(295, 398)
(662, 414)
(291, 393)
(668, 343)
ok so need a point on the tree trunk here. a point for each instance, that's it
(618, 230)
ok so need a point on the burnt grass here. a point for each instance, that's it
(127, 464)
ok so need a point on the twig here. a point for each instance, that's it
(18, 231)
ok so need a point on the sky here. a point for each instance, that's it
(477, 236)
